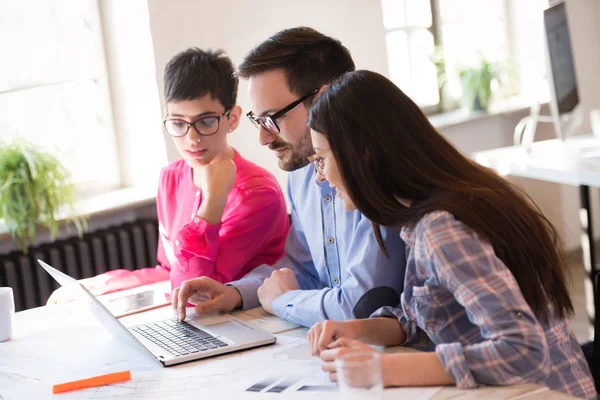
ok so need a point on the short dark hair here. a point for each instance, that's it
(309, 59)
(194, 73)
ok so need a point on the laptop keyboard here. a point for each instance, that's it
(178, 338)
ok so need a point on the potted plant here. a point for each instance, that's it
(438, 60)
(448, 98)
(476, 84)
(35, 191)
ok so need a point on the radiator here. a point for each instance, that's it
(131, 245)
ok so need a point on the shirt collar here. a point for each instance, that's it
(407, 234)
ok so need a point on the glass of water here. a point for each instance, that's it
(359, 375)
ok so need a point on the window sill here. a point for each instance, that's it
(117, 200)
(106, 203)
(458, 117)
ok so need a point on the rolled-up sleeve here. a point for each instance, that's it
(223, 251)
(198, 239)
(415, 338)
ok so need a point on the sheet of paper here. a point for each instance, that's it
(58, 353)
(259, 318)
(10, 378)
(296, 350)
(303, 377)
(216, 375)
(210, 374)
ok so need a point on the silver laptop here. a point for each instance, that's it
(171, 341)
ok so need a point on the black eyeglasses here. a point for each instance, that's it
(268, 122)
(205, 126)
(318, 161)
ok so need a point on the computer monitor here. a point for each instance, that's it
(567, 113)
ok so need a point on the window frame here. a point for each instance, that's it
(86, 186)
(436, 31)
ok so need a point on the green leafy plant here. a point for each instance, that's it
(439, 61)
(35, 191)
(477, 84)
(447, 102)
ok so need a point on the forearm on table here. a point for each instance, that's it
(414, 369)
(379, 331)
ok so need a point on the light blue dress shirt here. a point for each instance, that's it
(340, 268)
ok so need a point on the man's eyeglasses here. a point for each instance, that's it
(205, 126)
(318, 161)
(268, 122)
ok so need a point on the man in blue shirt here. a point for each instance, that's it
(333, 267)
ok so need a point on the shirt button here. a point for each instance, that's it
(196, 220)
(519, 315)
(327, 199)
(330, 240)
(336, 280)
(177, 243)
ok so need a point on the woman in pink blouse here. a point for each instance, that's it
(219, 215)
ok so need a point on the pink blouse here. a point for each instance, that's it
(252, 231)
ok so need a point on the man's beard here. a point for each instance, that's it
(297, 156)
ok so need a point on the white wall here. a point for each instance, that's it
(583, 17)
(134, 93)
(238, 25)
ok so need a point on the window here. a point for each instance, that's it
(54, 87)
(465, 30)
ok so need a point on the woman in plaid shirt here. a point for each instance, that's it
(485, 283)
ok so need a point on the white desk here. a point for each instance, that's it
(55, 344)
(573, 162)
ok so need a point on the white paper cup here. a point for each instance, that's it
(7, 313)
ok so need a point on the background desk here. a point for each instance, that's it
(573, 162)
(56, 344)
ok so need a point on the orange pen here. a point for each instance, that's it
(92, 382)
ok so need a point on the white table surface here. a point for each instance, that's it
(60, 343)
(573, 162)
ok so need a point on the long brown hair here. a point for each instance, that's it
(386, 148)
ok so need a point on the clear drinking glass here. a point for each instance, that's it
(359, 375)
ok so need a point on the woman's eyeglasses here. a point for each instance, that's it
(205, 126)
(318, 161)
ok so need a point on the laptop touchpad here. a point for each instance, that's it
(229, 329)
